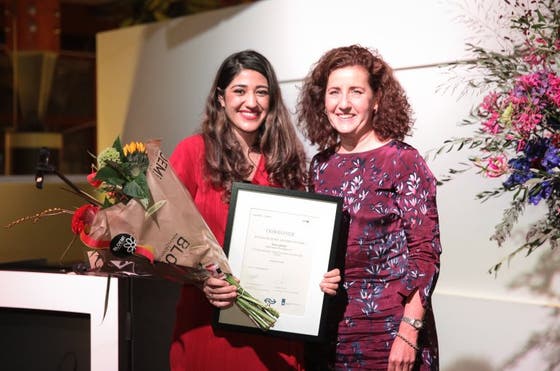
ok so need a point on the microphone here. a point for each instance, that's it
(42, 166)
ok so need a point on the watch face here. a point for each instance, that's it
(416, 323)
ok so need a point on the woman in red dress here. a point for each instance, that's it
(354, 109)
(247, 135)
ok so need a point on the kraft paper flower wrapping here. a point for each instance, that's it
(175, 233)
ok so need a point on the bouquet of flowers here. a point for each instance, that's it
(518, 120)
(148, 224)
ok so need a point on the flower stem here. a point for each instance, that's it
(261, 314)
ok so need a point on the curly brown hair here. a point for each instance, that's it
(277, 140)
(393, 118)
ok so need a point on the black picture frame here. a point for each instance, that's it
(286, 238)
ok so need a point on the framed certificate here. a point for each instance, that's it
(279, 244)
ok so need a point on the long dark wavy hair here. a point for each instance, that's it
(276, 140)
(393, 118)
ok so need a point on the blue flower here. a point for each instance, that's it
(544, 190)
(535, 149)
(521, 172)
(551, 159)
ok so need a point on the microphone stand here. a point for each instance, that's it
(44, 167)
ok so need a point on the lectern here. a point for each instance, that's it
(55, 320)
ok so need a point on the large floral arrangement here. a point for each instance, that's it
(517, 136)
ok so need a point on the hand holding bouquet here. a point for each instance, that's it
(262, 315)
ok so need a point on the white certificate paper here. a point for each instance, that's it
(279, 244)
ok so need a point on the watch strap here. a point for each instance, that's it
(416, 323)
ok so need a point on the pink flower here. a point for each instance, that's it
(496, 166)
(521, 145)
(518, 99)
(531, 59)
(553, 92)
(526, 122)
(530, 80)
(489, 102)
(540, 40)
(492, 125)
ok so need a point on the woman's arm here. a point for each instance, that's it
(404, 348)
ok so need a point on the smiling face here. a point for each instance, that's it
(246, 101)
(350, 103)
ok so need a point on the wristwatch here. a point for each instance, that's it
(416, 323)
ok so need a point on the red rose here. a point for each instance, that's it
(83, 217)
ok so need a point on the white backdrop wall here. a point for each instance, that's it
(153, 80)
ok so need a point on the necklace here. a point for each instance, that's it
(253, 157)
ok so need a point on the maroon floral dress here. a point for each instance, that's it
(392, 249)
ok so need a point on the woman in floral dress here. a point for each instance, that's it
(353, 108)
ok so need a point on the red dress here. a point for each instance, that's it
(196, 345)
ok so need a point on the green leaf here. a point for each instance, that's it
(109, 175)
(134, 189)
(107, 203)
(144, 202)
(118, 146)
(142, 181)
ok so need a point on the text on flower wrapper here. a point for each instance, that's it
(178, 245)
(160, 166)
(123, 245)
